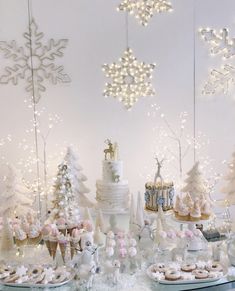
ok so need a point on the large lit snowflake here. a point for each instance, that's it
(143, 10)
(42, 62)
(130, 79)
(220, 80)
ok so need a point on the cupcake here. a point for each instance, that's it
(206, 210)
(195, 212)
(183, 212)
(178, 202)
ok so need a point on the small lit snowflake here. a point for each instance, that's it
(144, 9)
(42, 61)
(130, 79)
(220, 80)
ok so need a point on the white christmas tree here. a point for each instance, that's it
(79, 178)
(229, 189)
(14, 200)
(195, 184)
(64, 203)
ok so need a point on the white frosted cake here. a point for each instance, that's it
(112, 192)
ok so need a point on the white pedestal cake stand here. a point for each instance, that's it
(196, 243)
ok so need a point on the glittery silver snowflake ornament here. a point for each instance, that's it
(41, 61)
(144, 10)
(130, 79)
(221, 79)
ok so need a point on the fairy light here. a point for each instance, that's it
(130, 79)
(143, 10)
(221, 79)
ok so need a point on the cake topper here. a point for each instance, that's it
(158, 173)
(110, 150)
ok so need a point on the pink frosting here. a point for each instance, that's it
(180, 234)
(120, 234)
(46, 230)
(171, 234)
(121, 242)
(122, 252)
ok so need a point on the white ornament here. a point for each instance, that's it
(144, 10)
(42, 62)
(130, 79)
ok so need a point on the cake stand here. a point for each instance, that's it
(196, 243)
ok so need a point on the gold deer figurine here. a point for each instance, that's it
(110, 150)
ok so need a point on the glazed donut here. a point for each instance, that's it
(59, 277)
(35, 272)
(188, 267)
(161, 268)
(200, 274)
(11, 279)
(214, 267)
(172, 275)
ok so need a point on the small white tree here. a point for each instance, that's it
(196, 186)
(229, 189)
(64, 204)
(78, 179)
(14, 200)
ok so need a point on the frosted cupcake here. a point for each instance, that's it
(206, 210)
(195, 212)
(183, 212)
(178, 202)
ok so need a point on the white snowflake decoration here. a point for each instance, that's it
(144, 10)
(43, 60)
(220, 80)
(130, 79)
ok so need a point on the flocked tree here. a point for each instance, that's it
(229, 189)
(196, 186)
(14, 199)
(64, 203)
(79, 178)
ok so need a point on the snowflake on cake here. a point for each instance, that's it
(144, 10)
(221, 79)
(42, 61)
(130, 79)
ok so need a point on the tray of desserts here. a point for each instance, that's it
(186, 273)
(34, 276)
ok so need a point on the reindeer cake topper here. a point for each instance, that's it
(112, 150)
(158, 173)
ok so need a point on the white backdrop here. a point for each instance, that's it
(96, 33)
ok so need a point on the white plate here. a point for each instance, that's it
(179, 282)
(30, 285)
(196, 281)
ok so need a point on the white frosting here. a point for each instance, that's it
(112, 171)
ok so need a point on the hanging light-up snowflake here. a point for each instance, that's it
(145, 9)
(220, 80)
(42, 61)
(130, 79)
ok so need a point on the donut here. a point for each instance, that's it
(188, 267)
(34, 272)
(201, 274)
(172, 275)
(214, 267)
(59, 277)
(161, 268)
(11, 279)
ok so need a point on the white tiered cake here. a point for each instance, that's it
(112, 192)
